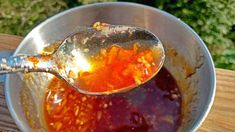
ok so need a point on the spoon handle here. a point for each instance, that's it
(24, 63)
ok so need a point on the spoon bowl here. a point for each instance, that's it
(75, 52)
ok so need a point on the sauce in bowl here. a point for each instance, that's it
(154, 106)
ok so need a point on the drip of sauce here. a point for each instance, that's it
(154, 106)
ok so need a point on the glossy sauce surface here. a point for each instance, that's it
(116, 68)
(154, 106)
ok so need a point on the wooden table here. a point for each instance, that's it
(220, 119)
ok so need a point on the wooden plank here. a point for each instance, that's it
(220, 119)
(6, 121)
(9, 42)
(222, 115)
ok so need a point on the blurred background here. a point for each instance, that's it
(213, 20)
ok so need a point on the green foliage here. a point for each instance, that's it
(20, 16)
(93, 1)
(213, 20)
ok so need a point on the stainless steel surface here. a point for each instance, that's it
(75, 52)
(5, 54)
(22, 63)
(183, 46)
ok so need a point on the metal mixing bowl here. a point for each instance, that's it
(187, 58)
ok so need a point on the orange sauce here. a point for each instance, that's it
(115, 68)
(155, 106)
(36, 59)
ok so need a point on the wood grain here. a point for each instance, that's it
(222, 115)
(9, 42)
(220, 119)
(6, 122)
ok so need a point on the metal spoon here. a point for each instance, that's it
(75, 51)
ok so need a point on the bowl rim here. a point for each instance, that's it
(205, 50)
